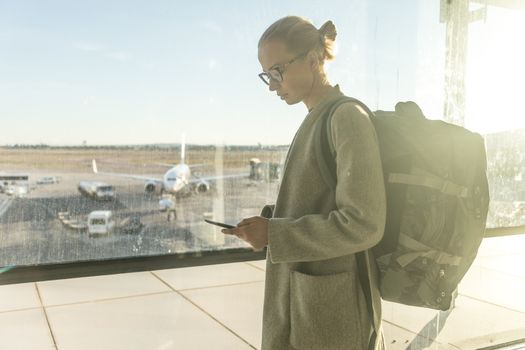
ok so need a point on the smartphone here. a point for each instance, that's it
(219, 224)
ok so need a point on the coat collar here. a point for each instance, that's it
(333, 94)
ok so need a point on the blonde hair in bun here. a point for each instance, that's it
(300, 35)
(329, 33)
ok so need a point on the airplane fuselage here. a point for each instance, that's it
(176, 179)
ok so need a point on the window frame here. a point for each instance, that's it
(90, 268)
(57, 271)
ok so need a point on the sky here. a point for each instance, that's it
(138, 72)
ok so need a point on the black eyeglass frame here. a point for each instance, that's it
(278, 70)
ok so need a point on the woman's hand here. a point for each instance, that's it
(253, 230)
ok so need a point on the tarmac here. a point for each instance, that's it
(32, 233)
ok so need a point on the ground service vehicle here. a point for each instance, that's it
(96, 190)
(100, 222)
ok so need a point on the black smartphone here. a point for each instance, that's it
(219, 224)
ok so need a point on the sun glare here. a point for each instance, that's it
(496, 72)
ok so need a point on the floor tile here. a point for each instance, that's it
(210, 275)
(494, 287)
(507, 264)
(239, 307)
(18, 296)
(498, 246)
(25, 330)
(99, 287)
(161, 322)
(470, 322)
(475, 321)
(261, 264)
(417, 320)
(397, 338)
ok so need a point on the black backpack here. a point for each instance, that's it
(437, 202)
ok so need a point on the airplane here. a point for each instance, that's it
(178, 180)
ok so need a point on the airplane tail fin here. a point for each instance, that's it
(94, 163)
(183, 149)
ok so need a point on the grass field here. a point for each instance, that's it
(142, 160)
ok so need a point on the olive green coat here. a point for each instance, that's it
(313, 297)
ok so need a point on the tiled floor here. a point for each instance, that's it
(220, 307)
(208, 307)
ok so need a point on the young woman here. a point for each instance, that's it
(313, 295)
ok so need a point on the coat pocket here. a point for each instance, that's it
(324, 312)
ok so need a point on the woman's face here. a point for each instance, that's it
(297, 77)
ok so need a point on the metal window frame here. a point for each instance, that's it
(46, 272)
(504, 231)
(512, 345)
(55, 271)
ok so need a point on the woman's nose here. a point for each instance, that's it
(273, 85)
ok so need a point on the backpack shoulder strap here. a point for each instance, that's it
(325, 154)
(325, 149)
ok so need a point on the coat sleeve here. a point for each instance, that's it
(267, 211)
(358, 221)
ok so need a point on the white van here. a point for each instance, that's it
(16, 191)
(100, 222)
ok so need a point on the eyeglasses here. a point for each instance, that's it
(277, 71)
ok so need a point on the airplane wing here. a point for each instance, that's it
(164, 164)
(212, 178)
(129, 176)
(192, 166)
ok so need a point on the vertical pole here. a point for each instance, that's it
(218, 201)
(457, 21)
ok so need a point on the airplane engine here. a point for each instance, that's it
(202, 187)
(151, 187)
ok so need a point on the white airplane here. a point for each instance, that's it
(176, 181)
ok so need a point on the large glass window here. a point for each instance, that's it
(495, 73)
(135, 91)
(125, 124)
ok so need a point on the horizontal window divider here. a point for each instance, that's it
(89, 268)
(515, 344)
(56, 271)
(504, 231)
